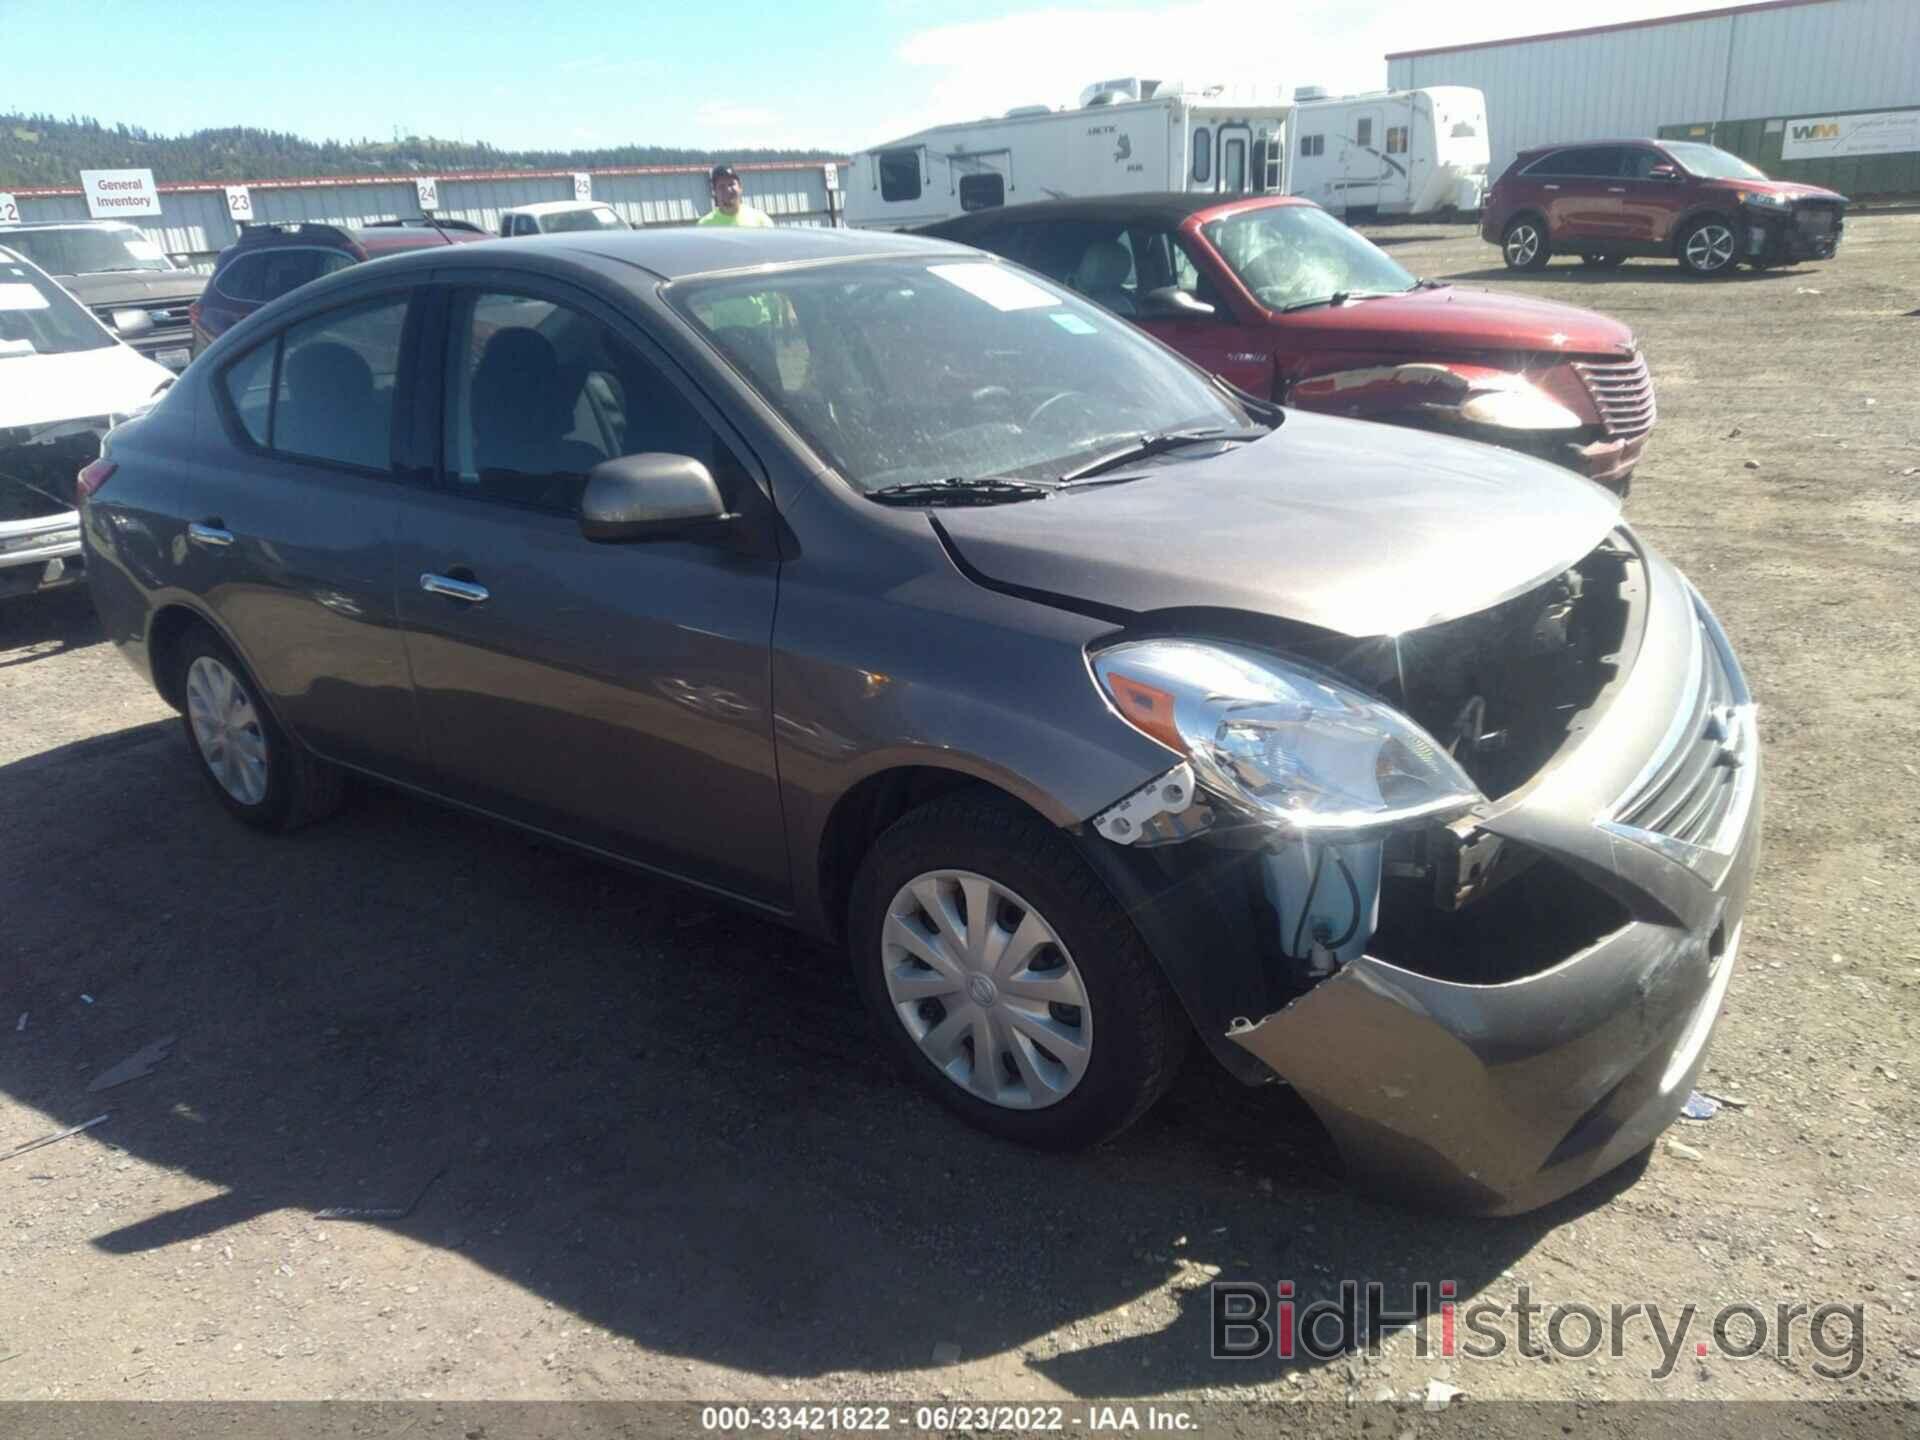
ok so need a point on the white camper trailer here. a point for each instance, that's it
(1125, 136)
(1394, 152)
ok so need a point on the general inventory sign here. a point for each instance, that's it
(1881, 132)
(118, 194)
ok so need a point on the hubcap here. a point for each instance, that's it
(986, 989)
(227, 729)
(1523, 244)
(1710, 247)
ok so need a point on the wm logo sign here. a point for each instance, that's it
(1827, 131)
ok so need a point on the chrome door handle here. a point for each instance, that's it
(1549, 187)
(208, 533)
(1616, 189)
(454, 589)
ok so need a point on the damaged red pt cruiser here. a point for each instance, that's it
(926, 606)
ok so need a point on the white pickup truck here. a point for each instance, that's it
(552, 216)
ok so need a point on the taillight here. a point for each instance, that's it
(93, 477)
(193, 313)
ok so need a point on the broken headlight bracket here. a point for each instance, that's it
(1165, 810)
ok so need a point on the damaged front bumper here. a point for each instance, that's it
(1784, 237)
(1495, 1058)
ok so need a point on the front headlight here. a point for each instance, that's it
(1762, 201)
(1294, 747)
(1513, 404)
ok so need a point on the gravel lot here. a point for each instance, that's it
(654, 1156)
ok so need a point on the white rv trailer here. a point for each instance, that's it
(1410, 152)
(1393, 152)
(1125, 136)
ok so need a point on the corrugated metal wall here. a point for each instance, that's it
(194, 224)
(1827, 56)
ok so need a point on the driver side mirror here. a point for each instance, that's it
(649, 497)
(1663, 172)
(1170, 302)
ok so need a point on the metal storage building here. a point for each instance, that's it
(1741, 77)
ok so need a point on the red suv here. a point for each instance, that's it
(1610, 200)
(1278, 297)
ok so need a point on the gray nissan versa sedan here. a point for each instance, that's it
(900, 594)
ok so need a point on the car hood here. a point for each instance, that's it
(1348, 526)
(1450, 319)
(39, 389)
(134, 287)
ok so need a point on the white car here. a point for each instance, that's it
(550, 217)
(65, 380)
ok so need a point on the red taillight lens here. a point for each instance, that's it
(93, 477)
(193, 313)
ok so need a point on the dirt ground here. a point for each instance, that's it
(649, 1152)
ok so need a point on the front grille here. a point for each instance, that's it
(1622, 391)
(164, 317)
(1698, 782)
(1816, 221)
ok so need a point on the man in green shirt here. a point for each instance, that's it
(728, 207)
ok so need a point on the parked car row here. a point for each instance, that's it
(1093, 704)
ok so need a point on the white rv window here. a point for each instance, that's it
(1464, 130)
(983, 192)
(1202, 156)
(1363, 132)
(1313, 145)
(1396, 139)
(899, 174)
(1233, 167)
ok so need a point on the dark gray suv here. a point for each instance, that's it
(897, 593)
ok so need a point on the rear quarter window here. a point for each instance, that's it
(249, 385)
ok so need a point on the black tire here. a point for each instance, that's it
(1525, 244)
(1139, 1034)
(1708, 247)
(299, 788)
(1603, 262)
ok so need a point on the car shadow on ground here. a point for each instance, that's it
(661, 1114)
(1634, 272)
(38, 627)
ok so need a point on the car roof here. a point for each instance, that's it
(685, 251)
(1149, 207)
(67, 225)
(1587, 144)
(555, 207)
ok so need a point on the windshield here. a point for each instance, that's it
(1293, 255)
(37, 317)
(88, 252)
(901, 370)
(600, 217)
(1710, 162)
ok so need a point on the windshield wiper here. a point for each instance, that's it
(1146, 446)
(961, 490)
(1339, 297)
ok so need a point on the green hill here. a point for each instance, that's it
(40, 150)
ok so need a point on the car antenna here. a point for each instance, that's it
(428, 216)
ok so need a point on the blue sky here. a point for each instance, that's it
(836, 73)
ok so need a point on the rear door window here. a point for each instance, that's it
(333, 400)
(249, 382)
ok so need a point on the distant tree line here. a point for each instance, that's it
(38, 150)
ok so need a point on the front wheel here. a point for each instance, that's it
(1004, 977)
(1524, 246)
(1707, 247)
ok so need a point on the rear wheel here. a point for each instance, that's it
(255, 770)
(1006, 980)
(1603, 262)
(1707, 247)
(1524, 246)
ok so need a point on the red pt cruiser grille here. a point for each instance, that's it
(1622, 391)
